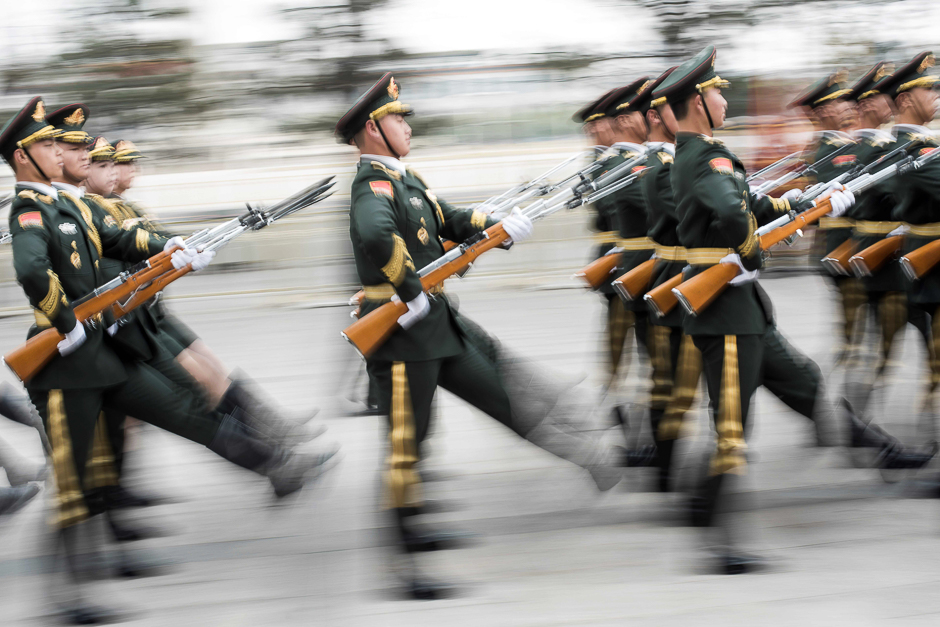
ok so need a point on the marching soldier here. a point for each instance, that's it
(740, 345)
(57, 248)
(828, 104)
(396, 226)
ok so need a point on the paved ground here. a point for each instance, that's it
(848, 549)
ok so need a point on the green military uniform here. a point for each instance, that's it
(741, 348)
(396, 227)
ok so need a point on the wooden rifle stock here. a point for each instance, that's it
(28, 359)
(599, 270)
(369, 332)
(875, 256)
(837, 262)
(360, 296)
(700, 291)
(919, 262)
(633, 284)
(661, 298)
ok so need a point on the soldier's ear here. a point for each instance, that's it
(20, 158)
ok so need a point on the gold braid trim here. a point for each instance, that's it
(780, 205)
(437, 205)
(89, 221)
(389, 108)
(50, 304)
(923, 81)
(750, 245)
(71, 503)
(43, 133)
(729, 458)
(394, 270)
(376, 165)
(403, 483)
(716, 81)
(478, 220)
(591, 118)
(143, 240)
(659, 102)
(833, 96)
(100, 471)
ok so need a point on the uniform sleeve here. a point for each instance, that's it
(135, 244)
(460, 224)
(658, 187)
(715, 188)
(33, 267)
(374, 220)
(926, 178)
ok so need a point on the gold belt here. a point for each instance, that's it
(385, 291)
(866, 227)
(42, 320)
(926, 230)
(671, 253)
(635, 243)
(835, 223)
(605, 237)
(707, 256)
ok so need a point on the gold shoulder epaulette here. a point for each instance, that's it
(664, 156)
(713, 140)
(382, 168)
(417, 176)
(32, 195)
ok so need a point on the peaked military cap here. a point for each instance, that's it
(101, 150)
(26, 128)
(694, 76)
(125, 151)
(626, 99)
(823, 91)
(654, 85)
(865, 86)
(592, 110)
(69, 121)
(375, 104)
(910, 75)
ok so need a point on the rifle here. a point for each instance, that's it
(796, 173)
(775, 165)
(7, 201)
(5, 237)
(369, 332)
(837, 261)
(697, 293)
(661, 299)
(633, 284)
(596, 272)
(875, 256)
(919, 262)
(134, 287)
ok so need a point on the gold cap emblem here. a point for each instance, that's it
(643, 87)
(392, 89)
(40, 113)
(76, 118)
(839, 77)
(928, 61)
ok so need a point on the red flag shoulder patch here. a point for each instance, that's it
(30, 220)
(844, 160)
(637, 168)
(722, 166)
(927, 151)
(382, 188)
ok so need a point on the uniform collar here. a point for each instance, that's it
(42, 188)
(874, 133)
(664, 146)
(78, 192)
(839, 134)
(914, 129)
(628, 146)
(390, 162)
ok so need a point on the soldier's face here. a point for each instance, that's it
(877, 109)
(48, 156)
(668, 119)
(126, 174)
(75, 161)
(398, 133)
(101, 178)
(717, 106)
(925, 100)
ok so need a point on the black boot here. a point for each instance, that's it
(703, 502)
(416, 540)
(286, 469)
(264, 419)
(642, 457)
(664, 450)
(14, 498)
(119, 497)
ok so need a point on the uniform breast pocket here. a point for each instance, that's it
(421, 228)
(73, 260)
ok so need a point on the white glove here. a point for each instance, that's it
(792, 194)
(73, 339)
(182, 258)
(517, 226)
(901, 230)
(745, 276)
(418, 308)
(840, 199)
(202, 259)
(174, 242)
(113, 329)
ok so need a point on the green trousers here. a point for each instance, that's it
(77, 431)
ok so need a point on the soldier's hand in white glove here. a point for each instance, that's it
(517, 226)
(174, 242)
(792, 194)
(840, 199)
(73, 339)
(901, 230)
(202, 259)
(418, 309)
(745, 275)
(182, 257)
